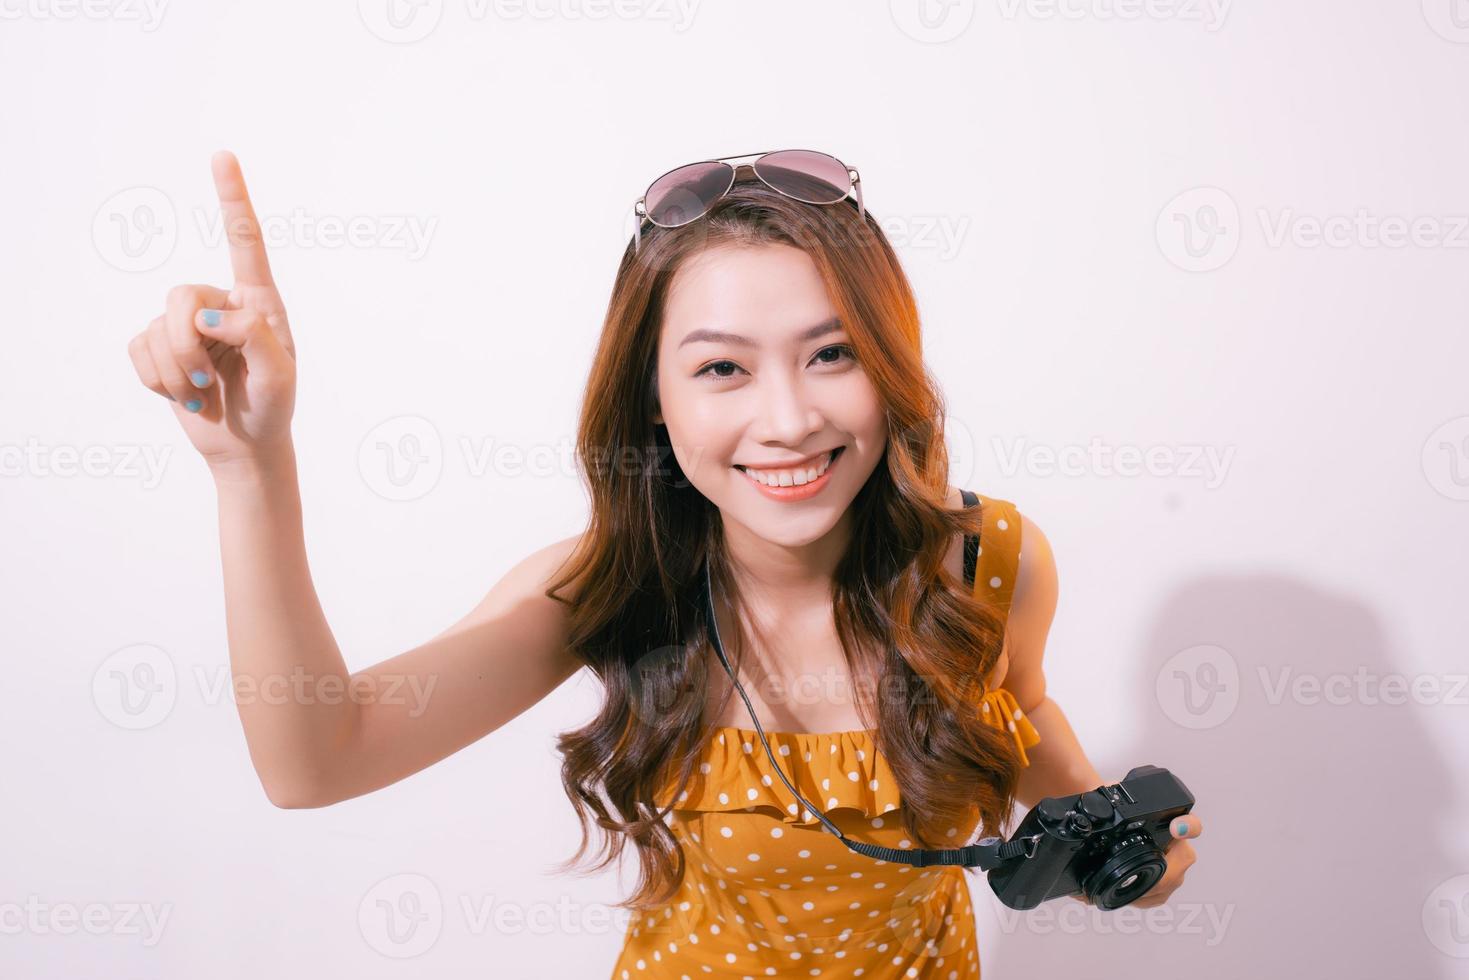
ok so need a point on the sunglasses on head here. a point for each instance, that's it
(687, 193)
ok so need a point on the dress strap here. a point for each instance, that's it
(991, 562)
(999, 552)
(971, 541)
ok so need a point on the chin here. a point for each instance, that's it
(789, 525)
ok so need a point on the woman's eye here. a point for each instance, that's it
(842, 350)
(714, 364)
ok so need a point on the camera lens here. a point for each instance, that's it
(1128, 868)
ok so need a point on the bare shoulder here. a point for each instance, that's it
(521, 593)
(499, 659)
(534, 574)
(554, 555)
(1032, 609)
(1035, 579)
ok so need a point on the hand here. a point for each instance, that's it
(1180, 857)
(233, 382)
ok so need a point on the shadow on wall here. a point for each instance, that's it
(1326, 805)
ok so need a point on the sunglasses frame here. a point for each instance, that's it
(640, 207)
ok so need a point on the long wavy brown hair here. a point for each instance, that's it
(635, 581)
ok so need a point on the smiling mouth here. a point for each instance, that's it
(792, 476)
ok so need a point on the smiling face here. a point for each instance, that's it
(757, 383)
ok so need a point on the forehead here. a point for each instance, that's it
(765, 292)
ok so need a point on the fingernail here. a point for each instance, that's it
(200, 378)
(211, 318)
(1181, 828)
(193, 404)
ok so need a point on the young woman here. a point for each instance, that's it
(760, 438)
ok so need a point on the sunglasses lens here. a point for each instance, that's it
(682, 195)
(806, 175)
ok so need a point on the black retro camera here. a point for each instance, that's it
(1107, 843)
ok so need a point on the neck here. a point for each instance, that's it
(776, 575)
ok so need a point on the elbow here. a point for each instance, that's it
(297, 797)
(304, 785)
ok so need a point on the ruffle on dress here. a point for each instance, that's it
(999, 709)
(831, 769)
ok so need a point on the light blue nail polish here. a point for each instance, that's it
(193, 404)
(200, 379)
(211, 318)
(1180, 828)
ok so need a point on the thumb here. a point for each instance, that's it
(250, 332)
(1186, 826)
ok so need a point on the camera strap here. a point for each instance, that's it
(985, 854)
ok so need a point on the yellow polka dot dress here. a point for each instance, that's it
(770, 892)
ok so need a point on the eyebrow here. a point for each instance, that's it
(724, 337)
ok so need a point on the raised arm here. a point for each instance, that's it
(226, 361)
(503, 657)
(337, 735)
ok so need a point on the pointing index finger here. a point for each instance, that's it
(247, 247)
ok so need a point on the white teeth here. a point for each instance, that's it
(788, 478)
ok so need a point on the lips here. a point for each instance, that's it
(812, 469)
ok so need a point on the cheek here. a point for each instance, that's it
(703, 436)
(860, 413)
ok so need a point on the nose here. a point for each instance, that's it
(787, 414)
